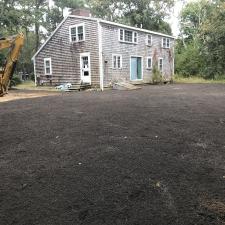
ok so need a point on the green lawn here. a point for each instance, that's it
(196, 80)
(30, 85)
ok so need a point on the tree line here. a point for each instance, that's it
(199, 48)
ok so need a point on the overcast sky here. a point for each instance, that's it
(174, 17)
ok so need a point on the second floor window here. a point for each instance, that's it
(77, 33)
(116, 61)
(165, 42)
(149, 40)
(128, 36)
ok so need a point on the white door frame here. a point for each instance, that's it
(87, 54)
(137, 56)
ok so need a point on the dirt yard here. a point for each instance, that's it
(154, 156)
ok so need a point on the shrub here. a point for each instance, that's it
(32, 77)
(156, 75)
(188, 61)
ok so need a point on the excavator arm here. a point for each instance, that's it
(15, 43)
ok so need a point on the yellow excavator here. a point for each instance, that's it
(14, 43)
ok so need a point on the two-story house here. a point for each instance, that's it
(98, 52)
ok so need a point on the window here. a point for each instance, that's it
(165, 42)
(128, 36)
(80, 33)
(160, 64)
(73, 34)
(149, 40)
(48, 66)
(117, 61)
(135, 37)
(121, 34)
(77, 33)
(149, 62)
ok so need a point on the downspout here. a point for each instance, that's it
(101, 73)
(35, 75)
(173, 59)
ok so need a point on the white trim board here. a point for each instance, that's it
(101, 71)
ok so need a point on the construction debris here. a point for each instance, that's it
(125, 86)
(64, 87)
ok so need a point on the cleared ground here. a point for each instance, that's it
(154, 156)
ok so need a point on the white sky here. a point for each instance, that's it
(174, 16)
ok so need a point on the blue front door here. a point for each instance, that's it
(136, 68)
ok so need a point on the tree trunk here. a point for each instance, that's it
(36, 25)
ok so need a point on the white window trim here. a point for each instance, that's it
(166, 42)
(147, 40)
(76, 26)
(136, 37)
(121, 61)
(124, 36)
(159, 64)
(50, 65)
(119, 34)
(147, 63)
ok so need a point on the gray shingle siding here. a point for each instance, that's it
(111, 45)
(65, 56)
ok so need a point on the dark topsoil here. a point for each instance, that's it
(154, 156)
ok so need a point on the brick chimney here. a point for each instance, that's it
(80, 12)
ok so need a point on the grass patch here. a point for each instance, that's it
(197, 80)
(26, 84)
(30, 85)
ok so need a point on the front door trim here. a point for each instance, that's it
(87, 54)
(137, 56)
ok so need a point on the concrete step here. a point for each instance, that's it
(125, 86)
(78, 87)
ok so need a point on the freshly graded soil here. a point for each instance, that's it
(154, 156)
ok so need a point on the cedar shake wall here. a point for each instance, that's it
(65, 56)
(111, 45)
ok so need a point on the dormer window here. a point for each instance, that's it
(165, 43)
(77, 33)
(128, 36)
(149, 40)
